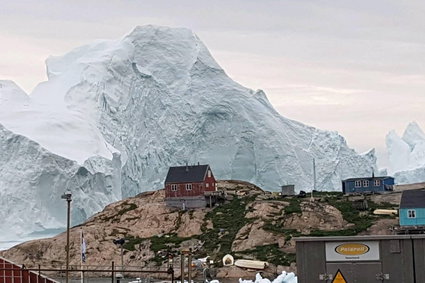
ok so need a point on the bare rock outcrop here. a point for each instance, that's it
(315, 215)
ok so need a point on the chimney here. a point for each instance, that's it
(187, 167)
(198, 163)
(373, 173)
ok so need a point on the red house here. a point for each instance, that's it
(190, 186)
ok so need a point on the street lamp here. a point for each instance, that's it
(170, 266)
(67, 196)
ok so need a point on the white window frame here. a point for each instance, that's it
(411, 213)
(207, 185)
(209, 173)
(357, 183)
(365, 183)
(376, 182)
(188, 187)
(174, 187)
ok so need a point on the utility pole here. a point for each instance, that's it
(68, 197)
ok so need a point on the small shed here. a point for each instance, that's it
(368, 185)
(190, 186)
(288, 190)
(412, 208)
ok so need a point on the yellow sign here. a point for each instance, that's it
(339, 278)
(352, 249)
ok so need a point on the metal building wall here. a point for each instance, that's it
(401, 257)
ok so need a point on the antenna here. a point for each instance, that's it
(314, 180)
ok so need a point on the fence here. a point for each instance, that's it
(13, 273)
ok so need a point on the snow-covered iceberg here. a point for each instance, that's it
(114, 115)
(407, 154)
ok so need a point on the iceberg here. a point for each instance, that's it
(407, 155)
(114, 115)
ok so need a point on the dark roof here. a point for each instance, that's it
(368, 178)
(183, 174)
(413, 199)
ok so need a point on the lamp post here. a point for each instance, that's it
(67, 196)
(170, 266)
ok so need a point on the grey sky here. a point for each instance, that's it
(357, 67)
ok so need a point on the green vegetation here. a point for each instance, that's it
(272, 254)
(166, 242)
(227, 220)
(131, 242)
(278, 228)
(294, 206)
(361, 221)
(128, 207)
(125, 207)
(383, 205)
(158, 243)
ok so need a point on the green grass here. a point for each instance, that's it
(227, 220)
(158, 243)
(336, 199)
(131, 242)
(383, 205)
(278, 228)
(166, 242)
(294, 206)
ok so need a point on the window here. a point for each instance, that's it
(207, 185)
(377, 182)
(174, 187)
(411, 213)
(365, 183)
(358, 183)
(188, 187)
(209, 173)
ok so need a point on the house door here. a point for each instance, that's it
(357, 272)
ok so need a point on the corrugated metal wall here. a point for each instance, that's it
(401, 259)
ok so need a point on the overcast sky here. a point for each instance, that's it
(356, 67)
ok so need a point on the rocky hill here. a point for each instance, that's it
(251, 224)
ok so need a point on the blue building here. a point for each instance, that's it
(412, 208)
(368, 185)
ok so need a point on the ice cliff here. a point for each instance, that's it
(114, 115)
(407, 154)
